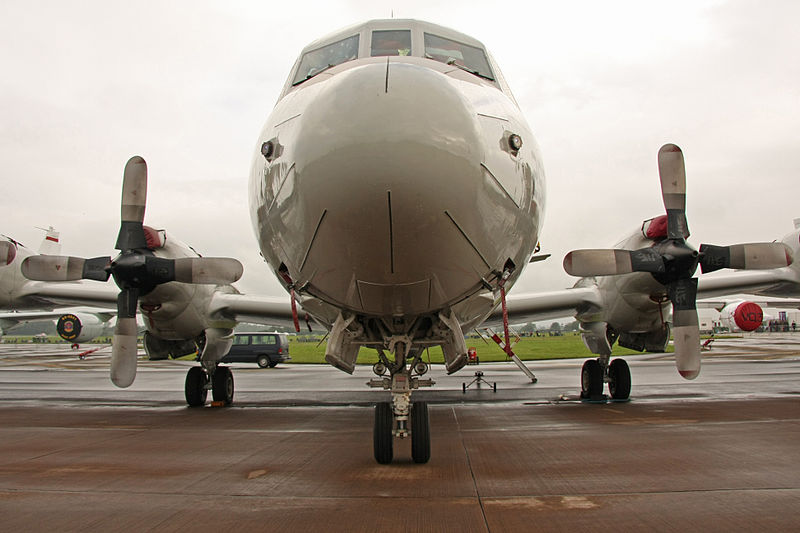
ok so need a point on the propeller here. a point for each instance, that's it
(136, 270)
(672, 262)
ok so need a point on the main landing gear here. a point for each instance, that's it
(401, 418)
(598, 371)
(198, 383)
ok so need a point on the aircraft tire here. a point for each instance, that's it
(195, 388)
(382, 433)
(619, 375)
(222, 385)
(420, 433)
(591, 379)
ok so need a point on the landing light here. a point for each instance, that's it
(267, 149)
(515, 142)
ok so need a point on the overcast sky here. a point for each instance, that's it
(188, 85)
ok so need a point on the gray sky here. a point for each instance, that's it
(188, 85)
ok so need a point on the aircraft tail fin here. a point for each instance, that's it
(51, 245)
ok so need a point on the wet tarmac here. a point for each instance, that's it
(294, 453)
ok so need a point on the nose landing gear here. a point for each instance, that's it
(401, 418)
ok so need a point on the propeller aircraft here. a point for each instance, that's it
(397, 193)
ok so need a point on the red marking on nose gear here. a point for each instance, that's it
(294, 310)
(288, 279)
(506, 346)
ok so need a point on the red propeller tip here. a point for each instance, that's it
(689, 374)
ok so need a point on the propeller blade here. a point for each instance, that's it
(53, 268)
(209, 270)
(124, 353)
(124, 350)
(672, 172)
(685, 326)
(134, 199)
(612, 262)
(64, 268)
(752, 256)
(7, 253)
(134, 190)
(97, 268)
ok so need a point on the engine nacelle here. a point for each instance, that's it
(158, 348)
(742, 315)
(655, 341)
(79, 327)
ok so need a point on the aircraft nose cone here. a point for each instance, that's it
(385, 153)
(380, 109)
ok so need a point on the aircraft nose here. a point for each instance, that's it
(387, 156)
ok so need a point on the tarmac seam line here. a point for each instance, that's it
(471, 471)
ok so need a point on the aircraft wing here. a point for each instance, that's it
(774, 282)
(9, 320)
(529, 307)
(269, 310)
(103, 295)
(762, 301)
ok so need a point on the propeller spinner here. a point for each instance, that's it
(136, 270)
(672, 262)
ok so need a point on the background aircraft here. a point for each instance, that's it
(29, 304)
(342, 242)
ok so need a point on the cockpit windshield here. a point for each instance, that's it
(391, 43)
(464, 56)
(316, 61)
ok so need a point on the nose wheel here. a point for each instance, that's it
(420, 433)
(383, 433)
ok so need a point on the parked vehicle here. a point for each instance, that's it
(264, 349)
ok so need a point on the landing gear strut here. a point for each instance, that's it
(595, 372)
(401, 418)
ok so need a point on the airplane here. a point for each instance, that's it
(397, 193)
(26, 305)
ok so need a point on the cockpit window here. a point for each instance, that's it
(316, 61)
(391, 43)
(463, 56)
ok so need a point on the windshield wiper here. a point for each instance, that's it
(453, 62)
(312, 74)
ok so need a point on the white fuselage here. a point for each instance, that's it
(393, 191)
